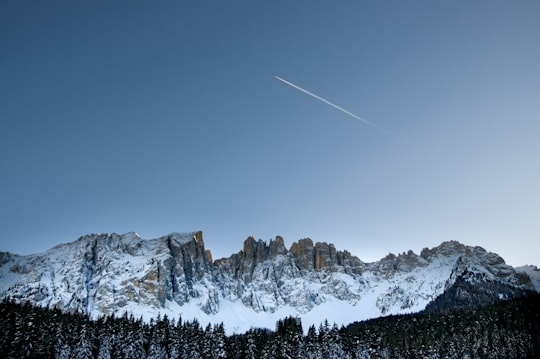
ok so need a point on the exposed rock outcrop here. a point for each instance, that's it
(304, 252)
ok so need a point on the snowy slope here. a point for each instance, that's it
(104, 274)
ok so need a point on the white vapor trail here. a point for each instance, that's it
(331, 104)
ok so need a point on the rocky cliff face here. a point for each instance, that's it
(103, 274)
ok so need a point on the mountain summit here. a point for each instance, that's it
(103, 274)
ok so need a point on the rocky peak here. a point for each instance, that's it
(387, 265)
(318, 256)
(304, 252)
(186, 256)
(254, 252)
(5, 257)
(350, 263)
(477, 265)
(259, 251)
(446, 249)
(277, 247)
(190, 244)
(403, 262)
(323, 256)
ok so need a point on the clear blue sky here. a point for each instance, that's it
(161, 116)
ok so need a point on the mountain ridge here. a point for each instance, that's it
(102, 274)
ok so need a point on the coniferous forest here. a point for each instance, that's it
(506, 329)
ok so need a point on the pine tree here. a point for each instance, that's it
(311, 347)
(158, 339)
(131, 339)
(174, 339)
(84, 347)
(252, 352)
(194, 340)
(156, 350)
(105, 348)
(332, 347)
(218, 342)
(103, 338)
(62, 350)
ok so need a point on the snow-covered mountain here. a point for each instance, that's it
(103, 274)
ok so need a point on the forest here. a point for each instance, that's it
(505, 329)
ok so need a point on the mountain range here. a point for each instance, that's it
(175, 275)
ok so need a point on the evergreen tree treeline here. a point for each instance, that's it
(507, 329)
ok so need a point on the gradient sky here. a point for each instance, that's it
(162, 116)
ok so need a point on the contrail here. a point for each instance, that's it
(331, 104)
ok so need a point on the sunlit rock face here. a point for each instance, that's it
(104, 274)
